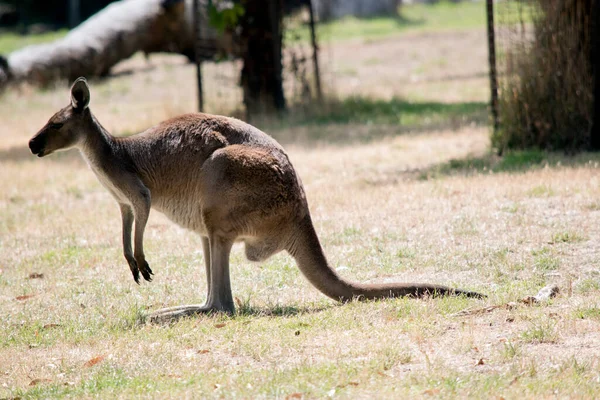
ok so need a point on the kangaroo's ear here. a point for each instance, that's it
(80, 94)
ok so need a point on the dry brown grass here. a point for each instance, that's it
(503, 233)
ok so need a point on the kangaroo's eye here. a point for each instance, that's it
(56, 126)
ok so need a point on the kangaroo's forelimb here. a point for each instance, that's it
(134, 202)
(127, 220)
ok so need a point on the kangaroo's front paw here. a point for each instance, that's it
(134, 269)
(145, 270)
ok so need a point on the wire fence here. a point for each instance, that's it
(219, 89)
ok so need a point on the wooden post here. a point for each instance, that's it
(275, 14)
(594, 31)
(315, 54)
(197, 58)
(74, 13)
(492, 61)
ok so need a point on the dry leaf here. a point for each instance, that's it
(220, 325)
(94, 361)
(217, 386)
(294, 396)
(35, 275)
(48, 326)
(203, 351)
(24, 297)
(431, 392)
(38, 381)
(351, 383)
(480, 362)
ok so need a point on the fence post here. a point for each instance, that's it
(492, 61)
(315, 53)
(74, 13)
(595, 63)
(197, 59)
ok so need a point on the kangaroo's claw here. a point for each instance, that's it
(134, 269)
(146, 271)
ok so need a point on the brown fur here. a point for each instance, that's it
(218, 176)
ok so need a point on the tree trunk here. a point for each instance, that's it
(595, 66)
(261, 76)
(114, 34)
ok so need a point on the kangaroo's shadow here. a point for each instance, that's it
(281, 310)
(244, 311)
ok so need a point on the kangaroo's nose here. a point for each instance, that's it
(36, 145)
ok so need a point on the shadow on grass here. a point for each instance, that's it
(245, 310)
(401, 20)
(355, 27)
(396, 111)
(512, 162)
(359, 119)
(140, 317)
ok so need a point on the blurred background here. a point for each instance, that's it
(524, 68)
(404, 66)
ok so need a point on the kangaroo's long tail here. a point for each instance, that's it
(311, 260)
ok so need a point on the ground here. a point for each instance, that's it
(402, 185)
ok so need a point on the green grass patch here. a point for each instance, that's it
(592, 313)
(545, 259)
(10, 41)
(566, 237)
(396, 111)
(541, 332)
(442, 16)
(588, 285)
(541, 191)
(512, 161)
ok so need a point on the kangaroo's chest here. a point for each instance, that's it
(109, 185)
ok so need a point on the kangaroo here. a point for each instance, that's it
(217, 176)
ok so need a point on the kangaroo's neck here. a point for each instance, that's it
(98, 146)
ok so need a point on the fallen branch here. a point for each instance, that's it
(544, 294)
(113, 34)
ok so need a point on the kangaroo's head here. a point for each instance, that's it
(66, 128)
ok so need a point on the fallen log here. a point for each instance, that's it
(113, 34)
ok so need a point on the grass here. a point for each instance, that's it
(82, 333)
(441, 16)
(506, 226)
(405, 114)
(10, 41)
(399, 112)
(514, 162)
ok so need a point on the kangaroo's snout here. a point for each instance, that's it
(37, 145)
